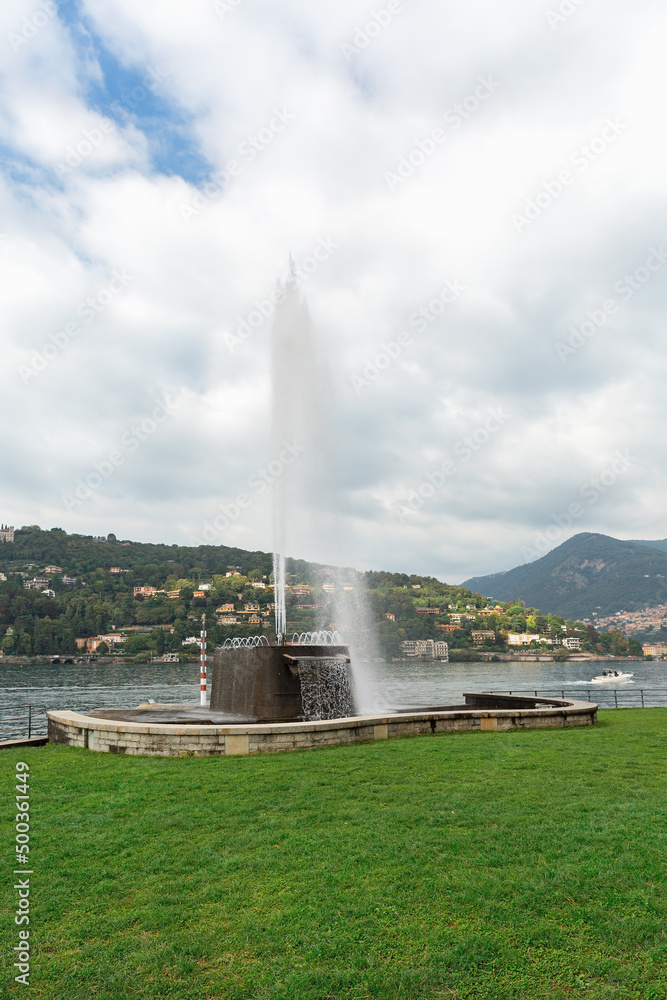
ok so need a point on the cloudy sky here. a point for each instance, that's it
(474, 198)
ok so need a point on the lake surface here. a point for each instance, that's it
(423, 683)
(124, 685)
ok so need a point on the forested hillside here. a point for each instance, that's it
(587, 573)
(88, 590)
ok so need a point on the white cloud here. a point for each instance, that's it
(324, 177)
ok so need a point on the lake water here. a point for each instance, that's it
(423, 683)
(125, 685)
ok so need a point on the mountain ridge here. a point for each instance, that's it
(588, 573)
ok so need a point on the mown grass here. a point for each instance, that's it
(475, 865)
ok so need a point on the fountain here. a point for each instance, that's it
(293, 681)
(310, 690)
(307, 678)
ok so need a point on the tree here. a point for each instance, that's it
(102, 649)
(182, 629)
(592, 639)
(389, 638)
(24, 644)
(136, 644)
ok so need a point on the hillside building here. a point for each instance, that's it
(654, 649)
(483, 637)
(427, 649)
(525, 639)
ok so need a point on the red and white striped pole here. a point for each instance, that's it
(202, 663)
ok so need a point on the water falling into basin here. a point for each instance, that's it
(326, 692)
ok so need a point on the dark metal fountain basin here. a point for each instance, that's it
(263, 682)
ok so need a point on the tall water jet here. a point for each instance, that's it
(279, 584)
(297, 423)
(307, 497)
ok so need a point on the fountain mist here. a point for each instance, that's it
(307, 496)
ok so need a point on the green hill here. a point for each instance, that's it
(587, 573)
(85, 599)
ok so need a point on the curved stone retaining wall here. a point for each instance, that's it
(107, 736)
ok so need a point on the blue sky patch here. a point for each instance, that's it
(136, 95)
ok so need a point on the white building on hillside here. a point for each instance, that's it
(428, 649)
(525, 639)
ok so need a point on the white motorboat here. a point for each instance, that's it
(611, 676)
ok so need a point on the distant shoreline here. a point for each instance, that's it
(524, 658)
(483, 657)
(104, 661)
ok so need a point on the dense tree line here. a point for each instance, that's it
(96, 601)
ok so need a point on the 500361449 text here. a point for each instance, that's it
(21, 951)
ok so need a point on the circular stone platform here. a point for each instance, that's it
(189, 730)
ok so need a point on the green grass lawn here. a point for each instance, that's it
(475, 865)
